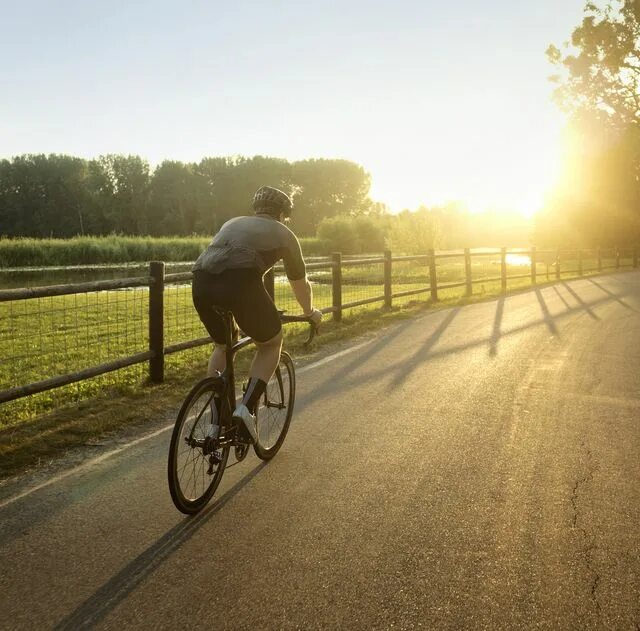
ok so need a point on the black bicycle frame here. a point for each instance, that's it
(233, 347)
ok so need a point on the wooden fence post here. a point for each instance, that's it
(156, 321)
(467, 271)
(336, 285)
(433, 280)
(599, 255)
(503, 270)
(580, 263)
(617, 258)
(534, 265)
(270, 284)
(558, 264)
(387, 279)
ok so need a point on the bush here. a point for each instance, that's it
(413, 232)
(371, 233)
(353, 235)
(341, 233)
(314, 246)
(98, 250)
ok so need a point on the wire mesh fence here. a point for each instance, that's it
(182, 324)
(46, 336)
(627, 257)
(486, 267)
(450, 268)
(409, 275)
(362, 283)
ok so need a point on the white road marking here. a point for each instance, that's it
(97, 460)
(330, 358)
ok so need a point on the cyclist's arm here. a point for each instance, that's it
(303, 293)
(297, 274)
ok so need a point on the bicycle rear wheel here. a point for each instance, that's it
(196, 464)
(275, 409)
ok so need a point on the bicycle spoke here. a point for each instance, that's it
(275, 411)
(190, 482)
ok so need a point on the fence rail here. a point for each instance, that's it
(351, 283)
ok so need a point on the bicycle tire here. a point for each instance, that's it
(185, 502)
(276, 409)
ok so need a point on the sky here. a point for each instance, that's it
(439, 101)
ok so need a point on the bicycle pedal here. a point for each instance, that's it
(241, 452)
(214, 459)
(242, 435)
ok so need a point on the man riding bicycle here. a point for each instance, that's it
(227, 276)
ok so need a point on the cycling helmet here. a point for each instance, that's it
(272, 201)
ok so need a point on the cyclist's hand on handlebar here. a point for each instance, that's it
(315, 316)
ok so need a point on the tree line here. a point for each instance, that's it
(62, 196)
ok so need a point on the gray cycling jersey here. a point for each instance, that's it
(253, 242)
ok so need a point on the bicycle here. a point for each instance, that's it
(205, 430)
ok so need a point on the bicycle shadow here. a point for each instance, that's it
(112, 593)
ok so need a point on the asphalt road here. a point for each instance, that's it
(474, 468)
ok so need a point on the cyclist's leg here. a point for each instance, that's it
(266, 358)
(217, 360)
(258, 317)
(264, 364)
(208, 293)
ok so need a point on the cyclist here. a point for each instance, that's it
(228, 275)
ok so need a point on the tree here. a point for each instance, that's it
(119, 186)
(415, 232)
(598, 197)
(43, 196)
(603, 74)
(179, 199)
(234, 180)
(326, 188)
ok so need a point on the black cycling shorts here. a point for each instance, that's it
(240, 291)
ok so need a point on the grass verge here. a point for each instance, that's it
(38, 441)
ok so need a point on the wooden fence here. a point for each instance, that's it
(157, 280)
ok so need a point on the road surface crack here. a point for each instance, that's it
(579, 522)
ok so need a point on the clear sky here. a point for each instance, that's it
(437, 100)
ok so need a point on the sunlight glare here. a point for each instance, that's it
(495, 170)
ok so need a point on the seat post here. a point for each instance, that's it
(229, 359)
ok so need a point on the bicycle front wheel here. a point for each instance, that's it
(196, 464)
(275, 409)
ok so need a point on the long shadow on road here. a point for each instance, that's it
(495, 331)
(577, 298)
(546, 315)
(97, 606)
(564, 300)
(492, 341)
(613, 296)
(403, 370)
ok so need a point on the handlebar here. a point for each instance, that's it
(313, 329)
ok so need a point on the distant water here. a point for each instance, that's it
(518, 259)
